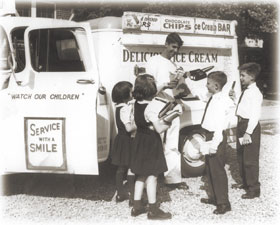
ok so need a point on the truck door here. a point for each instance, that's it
(48, 120)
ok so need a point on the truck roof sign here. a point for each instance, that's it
(135, 21)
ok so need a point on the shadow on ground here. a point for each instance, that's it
(95, 188)
(101, 187)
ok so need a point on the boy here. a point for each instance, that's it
(213, 124)
(248, 112)
(162, 68)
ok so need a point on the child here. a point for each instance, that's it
(121, 150)
(248, 112)
(213, 124)
(147, 160)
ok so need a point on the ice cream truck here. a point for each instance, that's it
(56, 112)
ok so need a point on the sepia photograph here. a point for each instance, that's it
(139, 112)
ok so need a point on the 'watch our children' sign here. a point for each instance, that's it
(45, 143)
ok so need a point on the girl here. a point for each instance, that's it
(147, 159)
(120, 154)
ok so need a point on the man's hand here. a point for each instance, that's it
(246, 139)
(172, 84)
(180, 73)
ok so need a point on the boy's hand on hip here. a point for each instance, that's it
(212, 151)
(246, 139)
(204, 149)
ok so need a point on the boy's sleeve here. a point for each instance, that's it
(256, 106)
(218, 133)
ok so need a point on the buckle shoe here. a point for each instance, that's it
(137, 212)
(158, 214)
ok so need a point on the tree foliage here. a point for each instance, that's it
(254, 19)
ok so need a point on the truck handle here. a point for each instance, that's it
(85, 81)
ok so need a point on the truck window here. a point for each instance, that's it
(54, 50)
(18, 45)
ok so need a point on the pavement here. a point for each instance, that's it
(270, 110)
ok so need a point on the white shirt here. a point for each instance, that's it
(152, 110)
(250, 106)
(162, 69)
(216, 116)
(126, 112)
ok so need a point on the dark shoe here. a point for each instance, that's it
(222, 209)
(145, 202)
(239, 186)
(158, 214)
(251, 195)
(121, 198)
(202, 187)
(130, 202)
(208, 201)
(137, 212)
(180, 186)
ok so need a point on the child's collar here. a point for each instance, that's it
(121, 104)
(251, 85)
(144, 102)
(217, 94)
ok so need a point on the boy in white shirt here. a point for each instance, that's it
(248, 133)
(213, 126)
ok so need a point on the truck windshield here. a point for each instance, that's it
(54, 50)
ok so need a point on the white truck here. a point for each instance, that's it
(56, 79)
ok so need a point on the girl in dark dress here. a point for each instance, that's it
(121, 150)
(147, 157)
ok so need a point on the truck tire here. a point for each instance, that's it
(192, 164)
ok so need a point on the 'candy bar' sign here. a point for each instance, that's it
(156, 22)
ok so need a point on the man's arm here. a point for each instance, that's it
(197, 90)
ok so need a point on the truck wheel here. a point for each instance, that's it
(192, 164)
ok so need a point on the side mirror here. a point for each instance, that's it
(102, 96)
(102, 90)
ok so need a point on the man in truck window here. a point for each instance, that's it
(163, 70)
